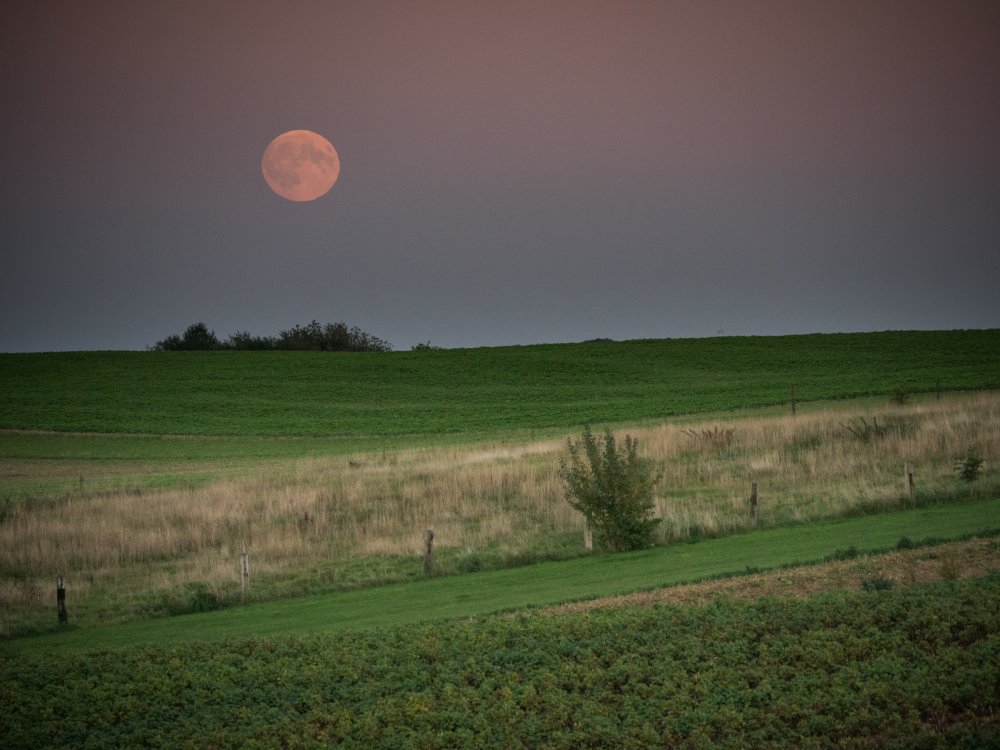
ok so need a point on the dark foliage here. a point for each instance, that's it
(197, 337)
(332, 337)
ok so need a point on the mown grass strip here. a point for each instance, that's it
(548, 583)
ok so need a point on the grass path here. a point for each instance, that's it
(538, 585)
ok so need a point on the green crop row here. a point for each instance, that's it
(913, 667)
(474, 390)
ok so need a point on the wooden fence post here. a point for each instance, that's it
(61, 600)
(588, 536)
(937, 389)
(428, 553)
(793, 398)
(244, 573)
(909, 481)
(753, 503)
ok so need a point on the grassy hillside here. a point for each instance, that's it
(473, 390)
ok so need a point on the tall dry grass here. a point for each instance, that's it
(307, 519)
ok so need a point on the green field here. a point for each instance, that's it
(485, 391)
(140, 475)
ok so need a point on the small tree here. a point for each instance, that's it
(969, 468)
(196, 337)
(612, 487)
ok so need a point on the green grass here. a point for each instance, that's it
(545, 583)
(488, 390)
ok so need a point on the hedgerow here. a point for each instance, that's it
(906, 667)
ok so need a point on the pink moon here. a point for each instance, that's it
(300, 165)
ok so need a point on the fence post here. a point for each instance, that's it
(588, 536)
(753, 503)
(61, 600)
(244, 573)
(793, 398)
(909, 481)
(428, 553)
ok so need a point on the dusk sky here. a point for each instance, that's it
(511, 172)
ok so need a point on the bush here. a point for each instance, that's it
(613, 488)
(244, 341)
(332, 337)
(197, 337)
(969, 468)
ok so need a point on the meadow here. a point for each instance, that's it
(330, 523)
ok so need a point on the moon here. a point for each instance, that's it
(300, 165)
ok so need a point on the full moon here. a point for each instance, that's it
(300, 165)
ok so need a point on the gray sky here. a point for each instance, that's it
(512, 172)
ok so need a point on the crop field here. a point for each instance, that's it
(482, 391)
(912, 666)
(142, 477)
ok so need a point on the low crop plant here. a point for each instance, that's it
(894, 667)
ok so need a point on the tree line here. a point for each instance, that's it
(331, 337)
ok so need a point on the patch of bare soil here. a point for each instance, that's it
(965, 559)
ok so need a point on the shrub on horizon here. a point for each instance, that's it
(196, 337)
(332, 337)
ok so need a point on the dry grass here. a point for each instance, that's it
(965, 559)
(309, 517)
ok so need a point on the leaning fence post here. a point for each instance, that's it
(753, 503)
(428, 553)
(61, 600)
